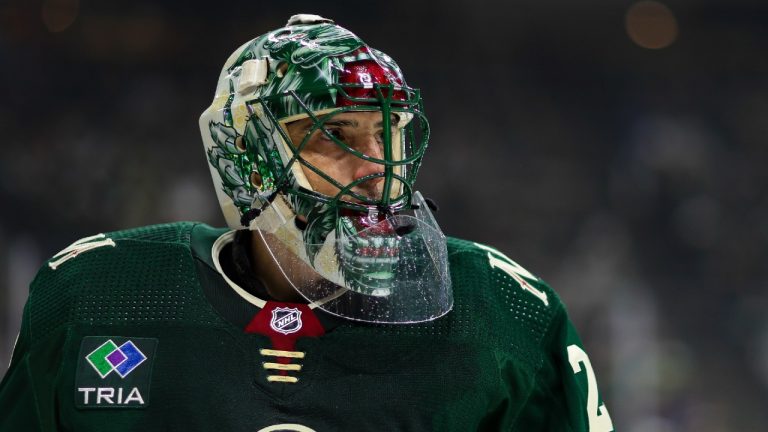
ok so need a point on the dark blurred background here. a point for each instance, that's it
(615, 148)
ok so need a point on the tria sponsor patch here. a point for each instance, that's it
(114, 372)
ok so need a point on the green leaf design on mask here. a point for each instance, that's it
(260, 136)
(311, 55)
(233, 166)
(303, 45)
(324, 41)
(321, 220)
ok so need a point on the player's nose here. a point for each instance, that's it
(371, 147)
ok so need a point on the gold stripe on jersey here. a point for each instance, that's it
(285, 367)
(282, 378)
(280, 353)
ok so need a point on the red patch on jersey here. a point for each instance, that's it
(278, 321)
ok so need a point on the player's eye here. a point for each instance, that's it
(334, 132)
(392, 132)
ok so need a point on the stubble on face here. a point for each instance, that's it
(361, 131)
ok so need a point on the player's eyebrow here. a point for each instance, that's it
(394, 120)
(352, 123)
(307, 123)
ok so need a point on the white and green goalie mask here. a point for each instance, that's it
(364, 247)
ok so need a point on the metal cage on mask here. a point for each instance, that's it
(367, 258)
(403, 143)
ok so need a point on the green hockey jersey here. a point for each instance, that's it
(142, 330)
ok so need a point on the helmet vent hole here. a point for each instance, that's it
(281, 69)
(301, 222)
(240, 143)
(256, 180)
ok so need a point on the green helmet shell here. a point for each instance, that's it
(307, 69)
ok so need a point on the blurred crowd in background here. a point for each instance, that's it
(614, 148)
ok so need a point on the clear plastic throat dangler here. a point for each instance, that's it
(372, 267)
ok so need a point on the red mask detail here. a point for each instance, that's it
(368, 72)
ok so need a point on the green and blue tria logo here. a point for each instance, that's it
(114, 372)
(122, 359)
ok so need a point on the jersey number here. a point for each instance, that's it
(599, 419)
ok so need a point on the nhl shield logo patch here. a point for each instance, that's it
(286, 320)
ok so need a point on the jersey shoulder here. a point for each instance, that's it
(503, 302)
(473, 260)
(143, 274)
(88, 252)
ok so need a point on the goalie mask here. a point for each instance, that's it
(337, 212)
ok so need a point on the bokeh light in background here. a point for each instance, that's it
(651, 24)
(616, 149)
(58, 15)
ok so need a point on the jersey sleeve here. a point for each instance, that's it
(18, 408)
(565, 396)
(28, 397)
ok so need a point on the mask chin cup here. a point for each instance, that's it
(392, 269)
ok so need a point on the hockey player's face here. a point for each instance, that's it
(362, 131)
